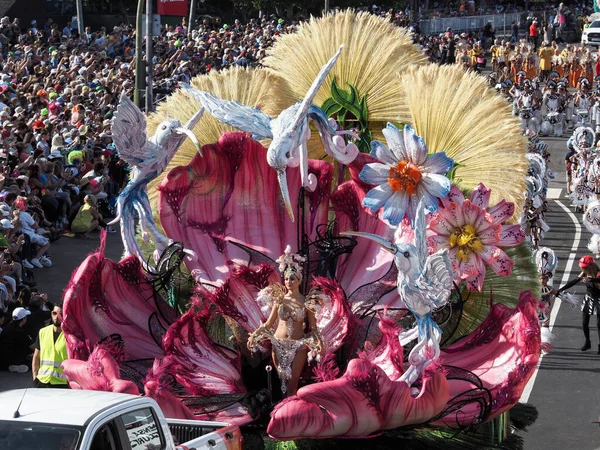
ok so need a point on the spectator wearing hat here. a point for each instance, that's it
(591, 304)
(15, 343)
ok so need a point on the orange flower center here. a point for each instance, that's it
(404, 177)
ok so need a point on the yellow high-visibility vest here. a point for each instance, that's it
(52, 354)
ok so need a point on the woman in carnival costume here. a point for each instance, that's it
(590, 305)
(417, 168)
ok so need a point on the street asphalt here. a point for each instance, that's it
(565, 388)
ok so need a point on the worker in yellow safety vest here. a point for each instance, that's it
(50, 352)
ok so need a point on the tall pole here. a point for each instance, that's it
(139, 61)
(149, 96)
(326, 6)
(192, 15)
(80, 27)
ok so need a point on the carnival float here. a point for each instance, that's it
(338, 257)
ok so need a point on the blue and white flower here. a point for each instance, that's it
(405, 175)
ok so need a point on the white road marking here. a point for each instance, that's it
(557, 302)
(553, 193)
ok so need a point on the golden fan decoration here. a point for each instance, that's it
(456, 112)
(259, 88)
(375, 51)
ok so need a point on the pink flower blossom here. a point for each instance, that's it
(473, 232)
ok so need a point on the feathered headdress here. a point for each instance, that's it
(291, 261)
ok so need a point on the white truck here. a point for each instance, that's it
(63, 419)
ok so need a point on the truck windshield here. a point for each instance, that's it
(16, 435)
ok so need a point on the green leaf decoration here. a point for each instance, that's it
(330, 107)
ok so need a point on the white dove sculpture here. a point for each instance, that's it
(147, 158)
(424, 284)
(289, 131)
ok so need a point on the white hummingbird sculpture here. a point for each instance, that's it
(289, 131)
(424, 284)
(147, 159)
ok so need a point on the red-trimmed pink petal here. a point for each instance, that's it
(453, 215)
(195, 361)
(362, 402)
(455, 195)
(511, 235)
(388, 354)
(105, 298)
(439, 223)
(471, 212)
(335, 319)
(502, 211)
(351, 216)
(502, 265)
(232, 191)
(437, 242)
(491, 235)
(475, 281)
(99, 373)
(489, 253)
(481, 196)
(503, 352)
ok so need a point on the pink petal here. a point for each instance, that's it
(194, 361)
(490, 235)
(490, 253)
(362, 402)
(475, 271)
(232, 192)
(471, 212)
(99, 373)
(502, 211)
(481, 196)
(439, 224)
(502, 265)
(105, 298)
(351, 274)
(455, 195)
(511, 235)
(453, 215)
(437, 242)
(503, 352)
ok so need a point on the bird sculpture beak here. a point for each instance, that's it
(282, 179)
(384, 243)
(189, 133)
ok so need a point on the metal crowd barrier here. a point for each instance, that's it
(501, 23)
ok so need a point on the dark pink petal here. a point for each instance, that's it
(232, 192)
(481, 196)
(105, 298)
(99, 373)
(503, 352)
(335, 319)
(195, 361)
(362, 402)
(502, 211)
(380, 279)
(388, 354)
(511, 235)
(454, 215)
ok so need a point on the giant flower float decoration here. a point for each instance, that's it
(191, 352)
(473, 233)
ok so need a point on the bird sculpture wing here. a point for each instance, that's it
(129, 132)
(242, 117)
(302, 111)
(435, 282)
(420, 230)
